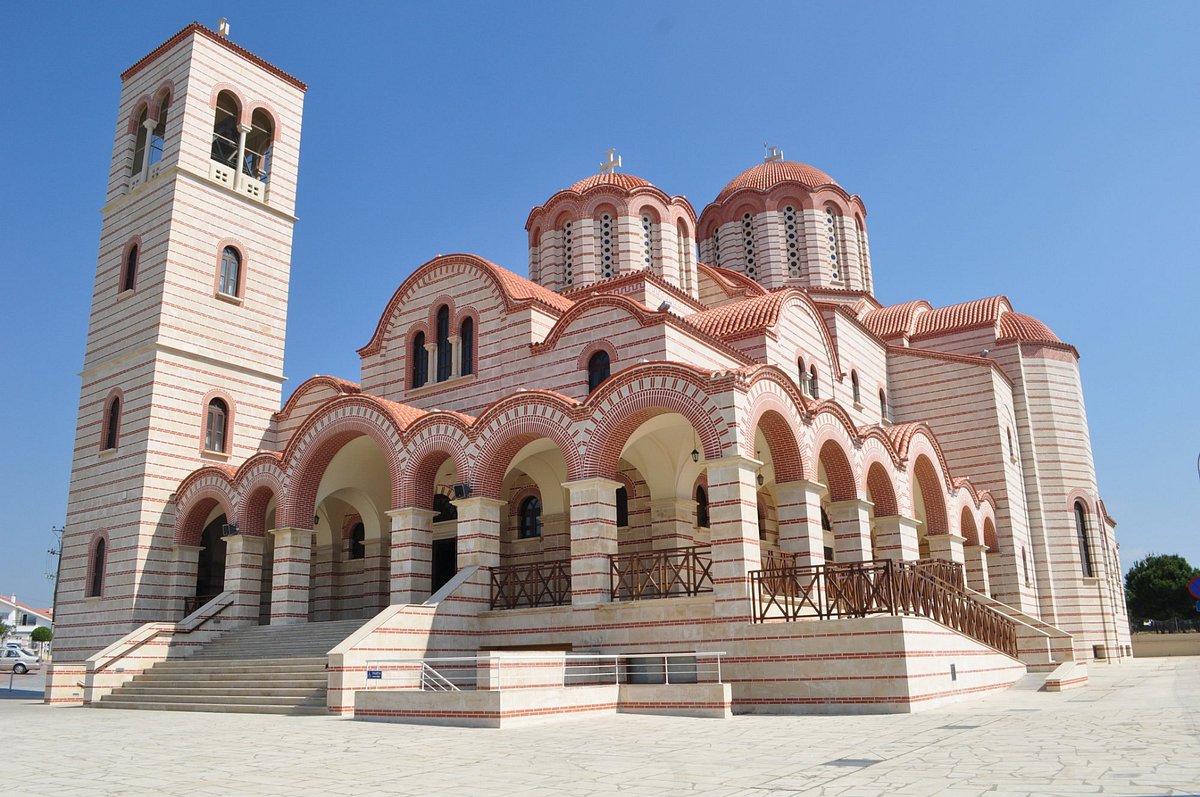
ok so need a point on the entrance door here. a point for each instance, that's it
(445, 564)
(210, 566)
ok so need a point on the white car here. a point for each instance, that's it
(20, 660)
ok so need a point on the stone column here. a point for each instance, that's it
(851, 522)
(733, 511)
(896, 538)
(593, 538)
(431, 360)
(241, 156)
(671, 522)
(183, 582)
(800, 529)
(946, 546)
(290, 575)
(455, 356)
(478, 545)
(243, 577)
(411, 554)
(976, 567)
(149, 124)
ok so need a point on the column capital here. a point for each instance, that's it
(245, 540)
(850, 505)
(431, 347)
(897, 521)
(477, 500)
(593, 482)
(285, 531)
(410, 512)
(733, 461)
(150, 124)
(801, 484)
(244, 128)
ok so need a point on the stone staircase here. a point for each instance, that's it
(256, 670)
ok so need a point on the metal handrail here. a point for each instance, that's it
(531, 585)
(662, 573)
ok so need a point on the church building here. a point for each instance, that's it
(686, 430)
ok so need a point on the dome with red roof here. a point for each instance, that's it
(766, 176)
(625, 181)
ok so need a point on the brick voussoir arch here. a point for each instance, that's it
(200, 492)
(511, 423)
(428, 444)
(879, 482)
(330, 427)
(629, 399)
(259, 480)
(775, 404)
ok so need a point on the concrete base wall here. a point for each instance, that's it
(1154, 645)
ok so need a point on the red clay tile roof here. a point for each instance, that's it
(403, 414)
(895, 320)
(978, 313)
(196, 27)
(1018, 326)
(766, 176)
(626, 181)
(730, 319)
(522, 289)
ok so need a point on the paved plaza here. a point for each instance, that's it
(1134, 731)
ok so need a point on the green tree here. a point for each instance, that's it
(1156, 588)
(41, 634)
(5, 630)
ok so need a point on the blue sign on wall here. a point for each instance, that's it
(374, 675)
(1194, 587)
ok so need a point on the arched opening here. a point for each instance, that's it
(257, 518)
(651, 243)
(215, 426)
(605, 225)
(231, 272)
(419, 360)
(701, 498)
(466, 337)
(159, 133)
(814, 386)
(833, 241)
(445, 352)
(139, 142)
(802, 376)
(622, 507)
(1085, 546)
(598, 369)
(95, 582)
(225, 129)
(112, 424)
(210, 563)
(529, 518)
(855, 390)
(260, 143)
(129, 273)
(929, 504)
(358, 541)
(885, 412)
(882, 496)
(837, 480)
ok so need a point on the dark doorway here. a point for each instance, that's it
(210, 564)
(445, 564)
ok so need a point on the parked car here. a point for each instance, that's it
(20, 661)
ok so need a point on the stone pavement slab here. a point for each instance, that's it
(1132, 732)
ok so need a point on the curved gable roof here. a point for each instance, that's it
(968, 315)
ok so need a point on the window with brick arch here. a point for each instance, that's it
(606, 254)
(791, 226)
(855, 390)
(225, 129)
(530, 518)
(885, 411)
(1085, 546)
(466, 341)
(231, 271)
(112, 424)
(599, 369)
(814, 385)
(649, 244)
(702, 519)
(129, 273)
(358, 541)
(420, 361)
(568, 254)
(215, 426)
(95, 585)
(832, 235)
(139, 142)
(159, 133)
(622, 507)
(802, 375)
(445, 354)
(748, 245)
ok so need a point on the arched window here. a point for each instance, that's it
(791, 225)
(445, 508)
(129, 274)
(832, 234)
(215, 426)
(466, 340)
(112, 423)
(259, 142)
(139, 142)
(225, 132)
(814, 386)
(358, 541)
(854, 388)
(748, 245)
(802, 375)
(598, 369)
(649, 242)
(1085, 547)
(530, 518)
(684, 254)
(702, 519)
(231, 271)
(568, 255)
(762, 517)
(1025, 566)
(445, 355)
(420, 361)
(95, 586)
(159, 134)
(885, 412)
(716, 245)
(606, 254)
(622, 507)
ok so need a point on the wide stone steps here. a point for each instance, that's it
(261, 669)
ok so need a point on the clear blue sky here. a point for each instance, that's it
(1046, 151)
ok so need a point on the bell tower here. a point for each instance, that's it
(183, 364)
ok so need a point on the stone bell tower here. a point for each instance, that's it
(183, 364)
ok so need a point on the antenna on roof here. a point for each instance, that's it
(611, 165)
(774, 154)
(223, 28)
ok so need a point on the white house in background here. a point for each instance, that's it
(23, 619)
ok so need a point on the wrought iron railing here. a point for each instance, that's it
(877, 587)
(531, 585)
(195, 602)
(670, 572)
(943, 570)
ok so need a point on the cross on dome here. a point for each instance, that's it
(774, 154)
(610, 166)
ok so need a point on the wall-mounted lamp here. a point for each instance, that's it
(316, 519)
